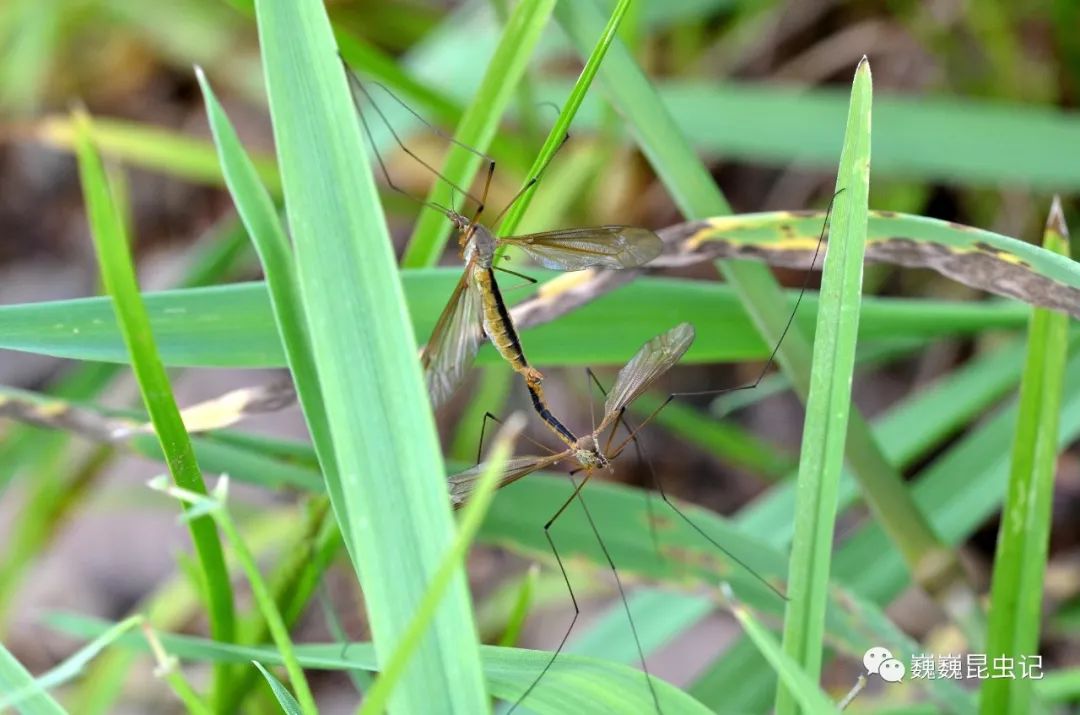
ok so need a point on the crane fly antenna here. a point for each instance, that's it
(355, 85)
(432, 127)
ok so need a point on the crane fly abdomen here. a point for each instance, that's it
(498, 326)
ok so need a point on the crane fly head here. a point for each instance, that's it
(589, 455)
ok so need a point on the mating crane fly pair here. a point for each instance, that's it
(476, 309)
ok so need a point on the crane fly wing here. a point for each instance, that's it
(463, 483)
(454, 341)
(653, 359)
(577, 248)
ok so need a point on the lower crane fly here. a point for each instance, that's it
(654, 358)
(636, 377)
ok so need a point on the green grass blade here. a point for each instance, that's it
(803, 687)
(152, 148)
(392, 488)
(829, 400)
(233, 326)
(284, 697)
(1016, 593)
(575, 684)
(279, 632)
(257, 211)
(478, 126)
(15, 678)
(378, 697)
(118, 274)
(70, 668)
(561, 128)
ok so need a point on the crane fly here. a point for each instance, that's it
(654, 358)
(476, 309)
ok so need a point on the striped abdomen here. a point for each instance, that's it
(540, 405)
(498, 326)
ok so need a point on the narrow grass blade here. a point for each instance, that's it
(71, 667)
(829, 399)
(574, 684)
(803, 686)
(257, 211)
(478, 126)
(168, 669)
(520, 610)
(14, 678)
(118, 274)
(151, 148)
(561, 128)
(377, 698)
(288, 703)
(214, 505)
(392, 495)
(1016, 591)
(972, 256)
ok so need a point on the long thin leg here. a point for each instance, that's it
(483, 426)
(749, 386)
(772, 355)
(576, 494)
(649, 512)
(642, 458)
(530, 280)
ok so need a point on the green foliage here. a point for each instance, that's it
(677, 84)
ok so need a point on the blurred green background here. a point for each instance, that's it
(974, 122)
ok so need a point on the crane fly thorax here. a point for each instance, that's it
(588, 453)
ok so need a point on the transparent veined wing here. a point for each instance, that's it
(454, 341)
(575, 249)
(463, 483)
(650, 362)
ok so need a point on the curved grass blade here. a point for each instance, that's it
(383, 434)
(118, 274)
(577, 684)
(261, 219)
(829, 399)
(15, 678)
(70, 668)
(285, 699)
(972, 256)
(1016, 592)
(803, 686)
